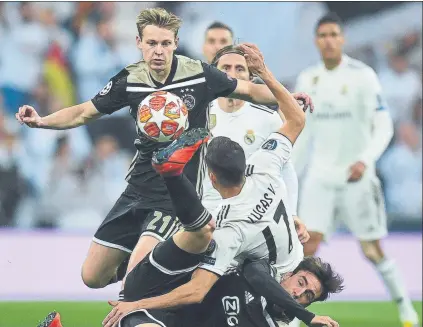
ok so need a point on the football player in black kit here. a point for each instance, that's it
(144, 215)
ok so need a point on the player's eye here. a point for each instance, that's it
(166, 44)
(151, 43)
(241, 69)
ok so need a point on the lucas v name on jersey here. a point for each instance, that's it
(260, 209)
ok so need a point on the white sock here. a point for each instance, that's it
(295, 323)
(393, 281)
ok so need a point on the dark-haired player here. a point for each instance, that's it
(350, 130)
(217, 36)
(143, 215)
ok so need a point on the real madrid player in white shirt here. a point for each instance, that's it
(249, 125)
(349, 131)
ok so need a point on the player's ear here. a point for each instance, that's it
(176, 42)
(138, 40)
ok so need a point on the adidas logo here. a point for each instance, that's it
(248, 297)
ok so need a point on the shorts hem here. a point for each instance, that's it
(146, 313)
(156, 236)
(111, 245)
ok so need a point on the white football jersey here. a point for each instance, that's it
(340, 128)
(256, 223)
(249, 126)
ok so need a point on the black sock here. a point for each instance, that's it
(186, 203)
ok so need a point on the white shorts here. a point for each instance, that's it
(360, 206)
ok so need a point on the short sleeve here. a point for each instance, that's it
(227, 242)
(219, 84)
(372, 92)
(271, 157)
(113, 96)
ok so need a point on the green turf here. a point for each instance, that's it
(90, 314)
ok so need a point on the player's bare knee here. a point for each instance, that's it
(92, 279)
(372, 251)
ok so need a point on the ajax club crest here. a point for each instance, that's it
(188, 98)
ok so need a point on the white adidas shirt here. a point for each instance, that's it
(340, 129)
(249, 126)
(257, 223)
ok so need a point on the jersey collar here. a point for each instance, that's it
(344, 61)
(172, 73)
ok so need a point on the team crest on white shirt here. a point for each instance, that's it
(344, 90)
(212, 121)
(249, 137)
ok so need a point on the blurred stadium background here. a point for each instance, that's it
(56, 186)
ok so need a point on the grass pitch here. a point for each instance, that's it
(90, 314)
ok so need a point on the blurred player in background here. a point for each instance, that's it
(217, 36)
(350, 130)
(143, 215)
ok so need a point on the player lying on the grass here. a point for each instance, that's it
(249, 222)
(143, 215)
(237, 299)
(249, 125)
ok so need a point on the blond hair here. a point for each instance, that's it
(158, 17)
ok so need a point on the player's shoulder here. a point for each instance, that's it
(361, 72)
(310, 70)
(137, 73)
(188, 69)
(358, 66)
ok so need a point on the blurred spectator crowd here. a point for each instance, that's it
(56, 54)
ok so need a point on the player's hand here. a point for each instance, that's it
(305, 100)
(356, 171)
(118, 311)
(301, 229)
(324, 321)
(29, 116)
(254, 58)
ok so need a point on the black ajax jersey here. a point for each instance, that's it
(232, 303)
(195, 82)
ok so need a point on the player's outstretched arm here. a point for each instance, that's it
(190, 293)
(63, 119)
(294, 115)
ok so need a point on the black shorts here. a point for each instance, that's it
(164, 269)
(134, 215)
(163, 318)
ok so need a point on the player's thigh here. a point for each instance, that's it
(144, 246)
(364, 212)
(165, 268)
(317, 206)
(101, 262)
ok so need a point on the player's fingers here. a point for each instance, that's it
(18, 118)
(109, 316)
(113, 303)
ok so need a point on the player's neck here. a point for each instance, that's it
(161, 75)
(230, 105)
(230, 192)
(331, 64)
